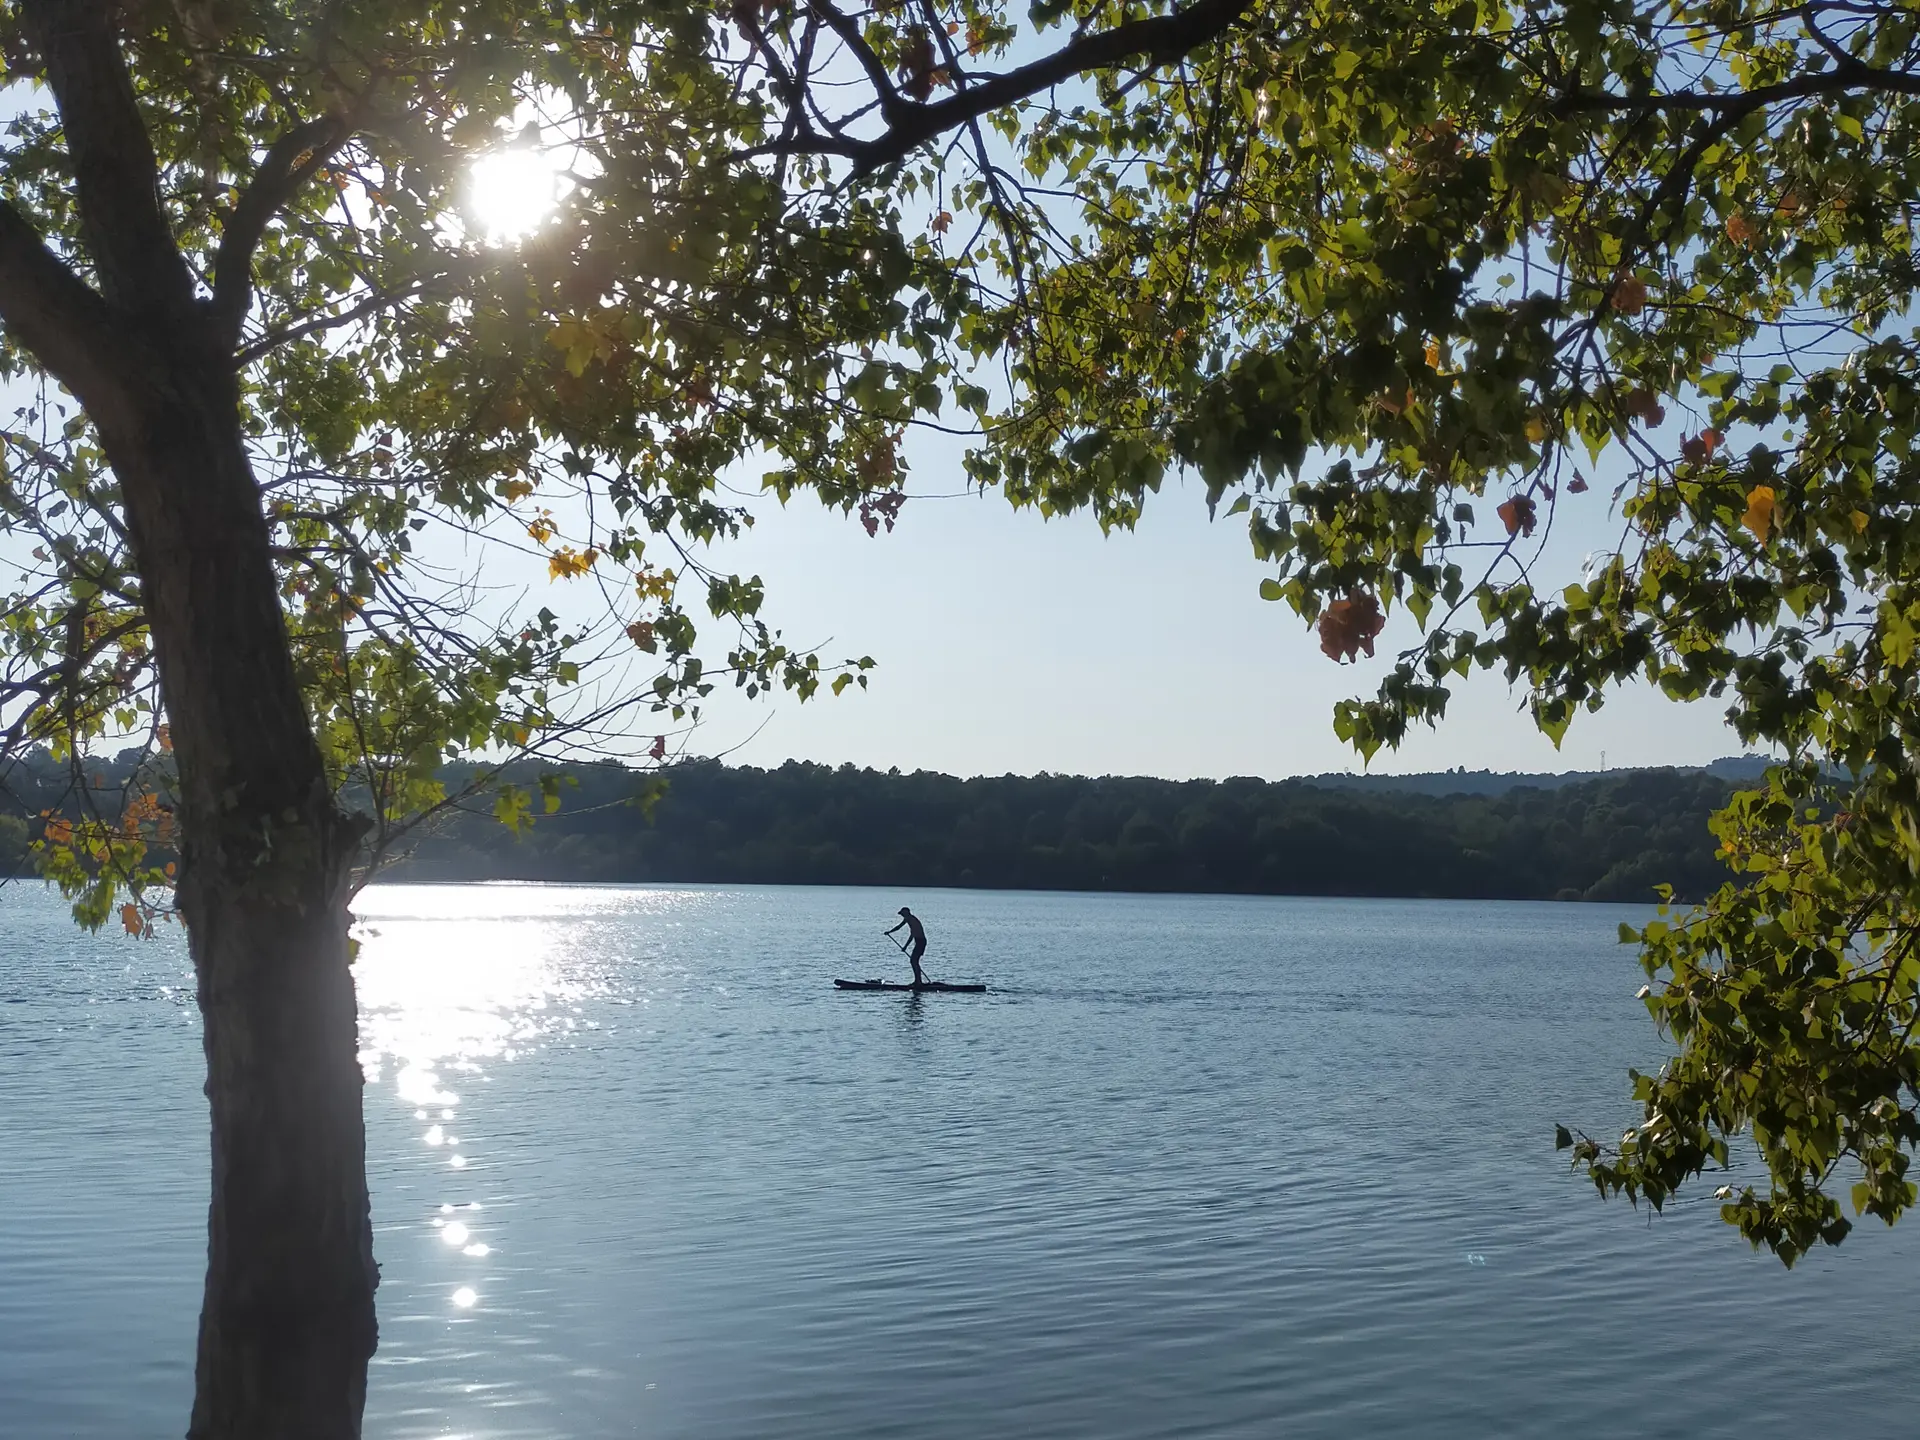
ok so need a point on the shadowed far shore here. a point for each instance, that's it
(1463, 835)
(1469, 836)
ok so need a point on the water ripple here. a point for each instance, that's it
(1194, 1167)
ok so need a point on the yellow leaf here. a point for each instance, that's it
(1536, 429)
(516, 489)
(1859, 518)
(565, 563)
(1759, 516)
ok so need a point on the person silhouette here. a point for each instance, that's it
(917, 935)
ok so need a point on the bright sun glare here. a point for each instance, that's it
(510, 192)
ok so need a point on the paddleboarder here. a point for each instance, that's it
(917, 935)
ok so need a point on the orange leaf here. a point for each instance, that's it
(1350, 625)
(941, 222)
(1740, 230)
(130, 919)
(1630, 295)
(1759, 517)
(916, 69)
(1644, 405)
(1517, 515)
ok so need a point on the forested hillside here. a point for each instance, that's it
(1608, 838)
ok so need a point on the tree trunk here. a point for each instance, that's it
(287, 1325)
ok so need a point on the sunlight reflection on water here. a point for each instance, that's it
(454, 981)
(450, 983)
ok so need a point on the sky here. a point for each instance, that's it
(1006, 644)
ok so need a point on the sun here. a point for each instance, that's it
(511, 192)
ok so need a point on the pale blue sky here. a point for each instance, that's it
(1006, 644)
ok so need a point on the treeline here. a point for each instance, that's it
(1746, 770)
(1609, 838)
(1612, 838)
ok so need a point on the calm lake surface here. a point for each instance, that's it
(1197, 1166)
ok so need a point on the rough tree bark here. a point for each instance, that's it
(287, 1325)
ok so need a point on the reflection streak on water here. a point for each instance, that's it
(454, 979)
(451, 993)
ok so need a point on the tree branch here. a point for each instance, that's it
(51, 312)
(289, 163)
(1838, 81)
(121, 219)
(372, 305)
(1159, 39)
(891, 105)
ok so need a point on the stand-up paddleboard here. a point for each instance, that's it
(889, 985)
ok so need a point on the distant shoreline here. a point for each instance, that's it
(1609, 838)
(1453, 835)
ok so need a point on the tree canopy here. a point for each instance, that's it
(1406, 286)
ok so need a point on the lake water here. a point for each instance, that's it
(1197, 1166)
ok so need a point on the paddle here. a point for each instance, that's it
(900, 944)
